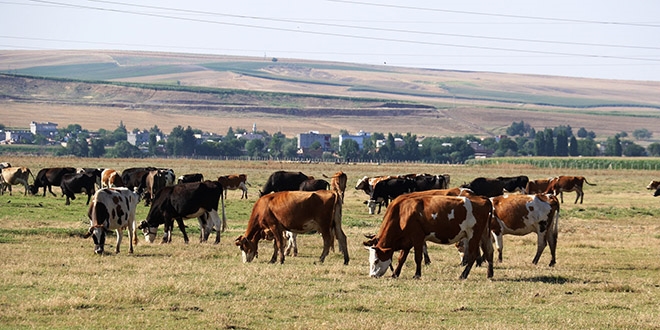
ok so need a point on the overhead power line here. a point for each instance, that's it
(344, 35)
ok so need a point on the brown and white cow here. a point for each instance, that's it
(562, 183)
(154, 182)
(411, 221)
(296, 211)
(233, 182)
(524, 214)
(11, 176)
(111, 178)
(112, 209)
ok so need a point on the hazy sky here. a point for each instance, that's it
(583, 38)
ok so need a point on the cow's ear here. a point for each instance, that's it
(238, 240)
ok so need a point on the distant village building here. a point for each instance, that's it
(19, 136)
(359, 138)
(249, 136)
(398, 143)
(139, 138)
(305, 140)
(45, 129)
(479, 150)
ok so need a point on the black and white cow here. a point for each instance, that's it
(49, 177)
(78, 183)
(112, 209)
(185, 201)
(192, 177)
(389, 189)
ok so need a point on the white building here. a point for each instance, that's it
(45, 129)
(360, 137)
(305, 140)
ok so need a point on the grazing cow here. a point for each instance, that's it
(562, 183)
(185, 201)
(95, 172)
(283, 181)
(49, 177)
(298, 212)
(135, 177)
(77, 183)
(314, 184)
(386, 190)
(653, 185)
(514, 183)
(193, 177)
(411, 221)
(154, 181)
(523, 214)
(111, 178)
(486, 187)
(427, 182)
(538, 186)
(112, 209)
(11, 176)
(234, 181)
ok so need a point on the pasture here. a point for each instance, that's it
(607, 273)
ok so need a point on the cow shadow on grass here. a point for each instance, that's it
(541, 279)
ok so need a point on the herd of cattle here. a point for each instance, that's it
(419, 208)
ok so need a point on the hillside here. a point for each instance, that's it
(98, 89)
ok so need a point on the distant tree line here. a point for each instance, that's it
(520, 140)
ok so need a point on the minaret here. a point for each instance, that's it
(254, 128)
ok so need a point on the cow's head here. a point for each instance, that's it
(33, 189)
(371, 204)
(379, 261)
(362, 183)
(98, 235)
(247, 247)
(149, 232)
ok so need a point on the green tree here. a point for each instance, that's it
(653, 149)
(123, 149)
(587, 147)
(561, 148)
(613, 146)
(549, 142)
(573, 146)
(410, 149)
(539, 145)
(97, 148)
(632, 149)
(642, 134)
(350, 149)
(255, 148)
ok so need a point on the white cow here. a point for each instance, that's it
(112, 209)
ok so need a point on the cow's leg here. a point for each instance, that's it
(327, 242)
(203, 234)
(427, 259)
(120, 235)
(9, 187)
(499, 245)
(487, 248)
(67, 200)
(279, 242)
(167, 232)
(50, 190)
(552, 242)
(580, 195)
(343, 244)
(402, 259)
(472, 251)
(89, 197)
(217, 223)
(540, 245)
(561, 195)
(132, 238)
(291, 243)
(182, 227)
(419, 248)
(273, 259)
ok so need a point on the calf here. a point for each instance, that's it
(77, 183)
(234, 181)
(185, 201)
(562, 183)
(296, 211)
(11, 176)
(411, 221)
(112, 209)
(523, 214)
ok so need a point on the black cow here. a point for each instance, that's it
(425, 182)
(314, 185)
(77, 183)
(185, 201)
(96, 172)
(389, 189)
(193, 177)
(486, 187)
(283, 181)
(49, 177)
(511, 184)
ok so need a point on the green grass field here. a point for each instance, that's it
(607, 273)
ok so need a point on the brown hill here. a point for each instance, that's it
(98, 89)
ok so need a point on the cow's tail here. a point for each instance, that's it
(224, 216)
(587, 182)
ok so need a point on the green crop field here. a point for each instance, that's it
(607, 274)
